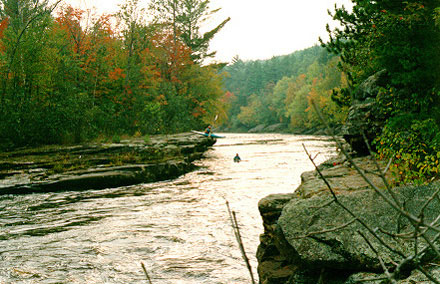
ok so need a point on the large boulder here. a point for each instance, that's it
(363, 115)
(278, 127)
(273, 267)
(327, 236)
(414, 277)
(308, 238)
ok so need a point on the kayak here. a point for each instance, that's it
(212, 135)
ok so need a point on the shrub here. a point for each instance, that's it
(413, 144)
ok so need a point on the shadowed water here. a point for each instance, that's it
(179, 229)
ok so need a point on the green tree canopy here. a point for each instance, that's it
(185, 18)
(68, 75)
(399, 36)
(403, 38)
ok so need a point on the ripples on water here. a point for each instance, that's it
(179, 229)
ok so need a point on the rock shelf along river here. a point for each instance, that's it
(178, 228)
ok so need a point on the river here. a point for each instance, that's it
(179, 228)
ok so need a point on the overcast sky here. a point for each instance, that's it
(259, 29)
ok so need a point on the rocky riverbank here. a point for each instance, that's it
(309, 239)
(100, 165)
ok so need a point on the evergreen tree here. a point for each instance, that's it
(401, 37)
(185, 18)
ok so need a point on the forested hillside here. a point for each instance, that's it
(279, 90)
(69, 75)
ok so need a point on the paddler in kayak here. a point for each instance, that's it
(208, 130)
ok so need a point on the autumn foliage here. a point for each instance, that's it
(280, 91)
(69, 75)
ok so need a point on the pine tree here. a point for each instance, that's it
(185, 18)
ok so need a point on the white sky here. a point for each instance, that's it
(258, 29)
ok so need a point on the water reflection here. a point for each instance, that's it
(179, 229)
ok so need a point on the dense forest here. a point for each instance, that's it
(69, 75)
(280, 90)
(401, 38)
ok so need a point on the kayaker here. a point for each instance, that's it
(237, 158)
(208, 130)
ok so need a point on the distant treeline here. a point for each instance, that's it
(399, 39)
(280, 90)
(68, 75)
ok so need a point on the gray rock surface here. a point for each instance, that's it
(321, 240)
(363, 115)
(257, 129)
(309, 239)
(278, 127)
(415, 277)
(100, 165)
(340, 175)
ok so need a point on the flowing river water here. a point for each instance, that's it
(179, 228)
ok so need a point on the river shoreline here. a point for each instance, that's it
(179, 228)
(100, 165)
(309, 239)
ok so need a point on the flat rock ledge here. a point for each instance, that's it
(100, 165)
(308, 239)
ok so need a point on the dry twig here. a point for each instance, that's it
(421, 227)
(146, 273)
(237, 234)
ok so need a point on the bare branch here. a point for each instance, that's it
(372, 155)
(435, 221)
(146, 273)
(365, 225)
(431, 244)
(328, 230)
(428, 275)
(391, 202)
(416, 239)
(372, 279)
(429, 201)
(388, 166)
(320, 173)
(324, 205)
(408, 235)
(237, 234)
(385, 269)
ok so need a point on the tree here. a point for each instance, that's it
(276, 91)
(24, 72)
(278, 98)
(185, 18)
(70, 76)
(401, 37)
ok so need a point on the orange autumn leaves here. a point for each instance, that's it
(99, 51)
(71, 75)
